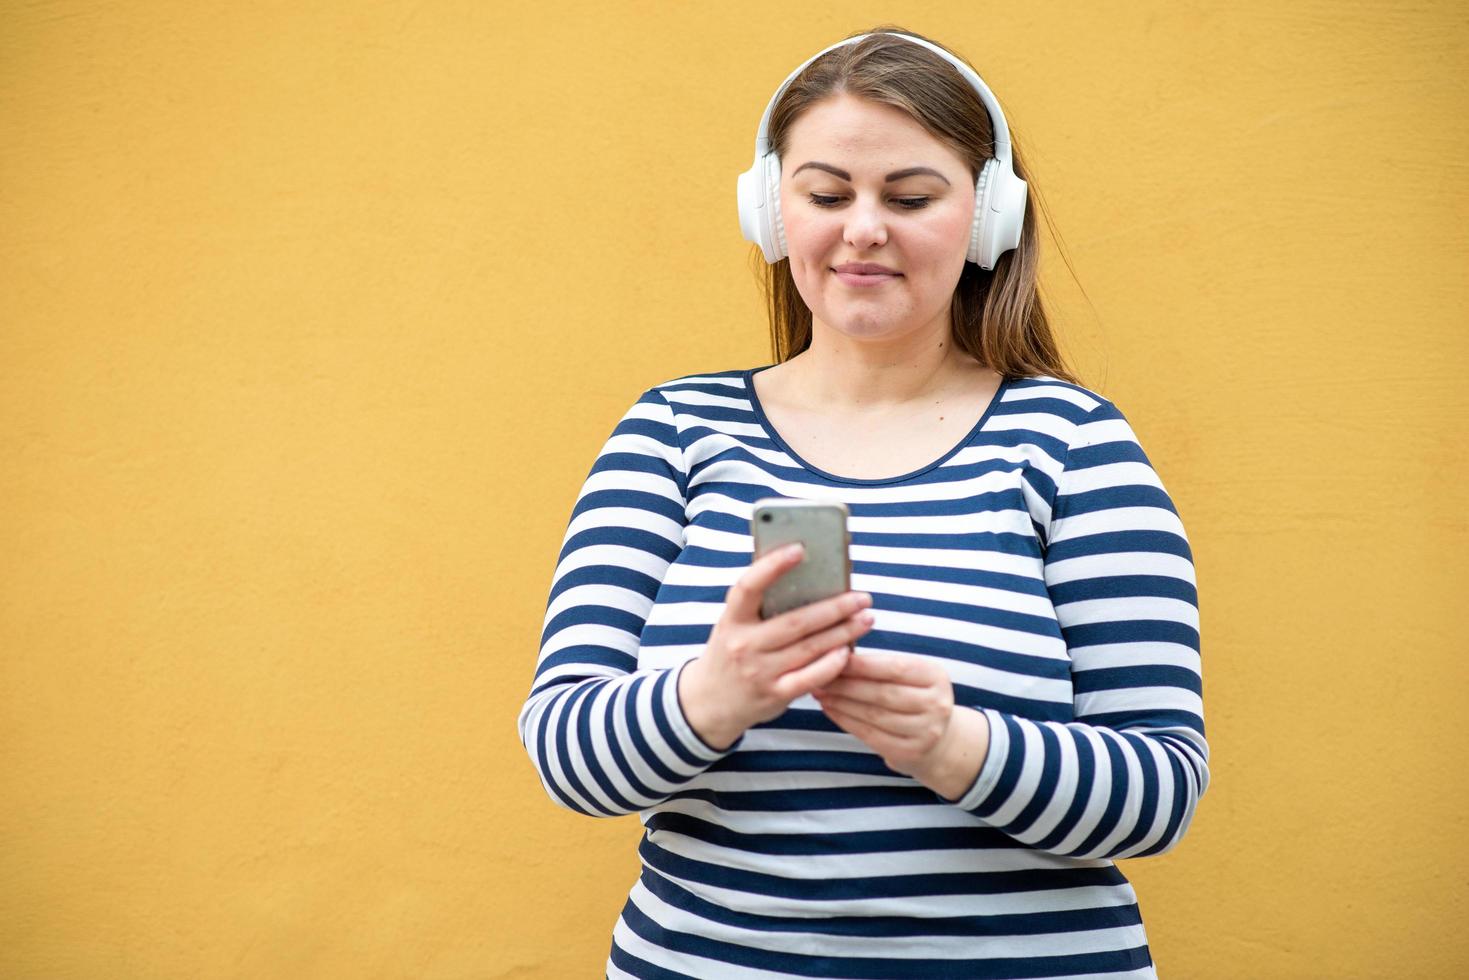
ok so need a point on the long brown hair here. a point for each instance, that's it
(996, 315)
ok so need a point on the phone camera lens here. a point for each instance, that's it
(766, 518)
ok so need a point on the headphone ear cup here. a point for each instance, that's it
(999, 214)
(983, 224)
(777, 224)
(1012, 193)
(747, 195)
(758, 195)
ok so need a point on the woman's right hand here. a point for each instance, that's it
(753, 668)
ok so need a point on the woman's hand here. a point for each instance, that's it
(903, 708)
(752, 669)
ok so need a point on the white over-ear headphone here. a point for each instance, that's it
(999, 195)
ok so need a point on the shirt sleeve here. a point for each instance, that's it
(1124, 778)
(607, 738)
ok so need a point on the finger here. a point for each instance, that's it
(894, 726)
(854, 725)
(893, 668)
(884, 694)
(743, 598)
(795, 683)
(841, 720)
(797, 624)
(844, 634)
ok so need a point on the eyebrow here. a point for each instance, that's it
(895, 175)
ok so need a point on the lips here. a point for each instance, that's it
(858, 275)
(865, 269)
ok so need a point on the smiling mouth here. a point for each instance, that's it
(865, 278)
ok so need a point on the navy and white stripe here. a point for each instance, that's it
(1040, 561)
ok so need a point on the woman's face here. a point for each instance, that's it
(839, 207)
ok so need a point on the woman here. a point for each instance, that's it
(930, 775)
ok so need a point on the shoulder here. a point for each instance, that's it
(1073, 416)
(669, 408)
(1043, 393)
(729, 379)
(688, 392)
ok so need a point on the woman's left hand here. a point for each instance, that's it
(901, 706)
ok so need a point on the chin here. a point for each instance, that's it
(864, 327)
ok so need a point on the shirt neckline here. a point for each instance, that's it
(748, 376)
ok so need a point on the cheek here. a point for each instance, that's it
(803, 226)
(952, 229)
(941, 251)
(811, 241)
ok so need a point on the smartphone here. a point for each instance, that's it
(826, 568)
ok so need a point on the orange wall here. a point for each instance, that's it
(314, 315)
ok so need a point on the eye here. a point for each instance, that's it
(909, 203)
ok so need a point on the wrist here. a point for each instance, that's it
(702, 711)
(959, 755)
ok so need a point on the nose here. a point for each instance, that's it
(866, 225)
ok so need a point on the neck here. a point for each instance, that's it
(855, 375)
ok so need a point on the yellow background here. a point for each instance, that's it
(314, 315)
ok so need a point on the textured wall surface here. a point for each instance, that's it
(312, 317)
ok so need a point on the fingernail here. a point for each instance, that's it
(866, 619)
(791, 550)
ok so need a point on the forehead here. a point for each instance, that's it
(859, 132)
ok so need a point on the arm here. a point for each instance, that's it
(605, 737)
(1124, 778)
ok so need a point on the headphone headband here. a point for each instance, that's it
(997, 117)
(999, 195)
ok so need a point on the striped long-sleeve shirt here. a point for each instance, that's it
(1041, 562)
